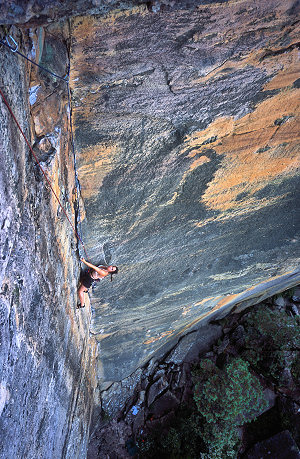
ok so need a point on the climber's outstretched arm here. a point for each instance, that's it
(100, 270)
(87, 263)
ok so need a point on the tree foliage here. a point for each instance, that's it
(226, 399)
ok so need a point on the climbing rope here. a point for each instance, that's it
(15, 50)
(77, 184)
(66, 79)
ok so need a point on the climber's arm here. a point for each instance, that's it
(88, 264)
(100, 270)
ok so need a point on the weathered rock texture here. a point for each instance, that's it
(44, 11)
(46, 376)
(41, 12)
(187, 131)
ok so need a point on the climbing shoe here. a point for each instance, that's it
(79, 306)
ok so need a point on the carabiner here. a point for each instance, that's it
(16, 44)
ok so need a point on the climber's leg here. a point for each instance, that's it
(81, 291)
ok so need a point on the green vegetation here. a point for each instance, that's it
(226, 399)
(228, 395)
(272, 342)
(295, 368)
(181, 440)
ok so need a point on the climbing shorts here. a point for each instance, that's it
(86, 280)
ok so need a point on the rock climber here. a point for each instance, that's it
(95, 273)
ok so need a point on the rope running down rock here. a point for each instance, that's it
(66, 80)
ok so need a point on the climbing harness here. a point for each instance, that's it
(66, 79)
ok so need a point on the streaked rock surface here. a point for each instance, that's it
(47, 375)
(187, 134)
(41, 12)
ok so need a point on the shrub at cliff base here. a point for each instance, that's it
(272, 343)
(226, 399)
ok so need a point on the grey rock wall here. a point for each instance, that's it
(41, 12)
(187, 135)
(46, 356)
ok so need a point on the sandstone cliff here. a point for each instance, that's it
(186, 120)
(187, 134)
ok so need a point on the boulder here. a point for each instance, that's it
(115, 397)
(138, 421)
(220, 348)
(161, 423)
(280, 302)
(280, 446)
(156, 389)
(296, 295)
(205, 337)
(270, 396)
(290, 416)
(180, 351)
(135, 413)
(113, 441)
(238, 336)
(175, 380)
(295, 309)
(163, 405)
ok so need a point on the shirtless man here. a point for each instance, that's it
(93, 274)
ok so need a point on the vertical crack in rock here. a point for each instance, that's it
(168, 80)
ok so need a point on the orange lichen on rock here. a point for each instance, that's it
(96, 164)
(198, 162)
(205, 300)
(116, 14)
(287, 66)
(91, 24)
(290, 71)
(80, 26)
(157, 338)
(256, 149)
(220, 128)
(227, 299)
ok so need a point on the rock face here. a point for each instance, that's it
(40, 12)
(47, 373)
(187, 133)
(187, 141)
(281, 446)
